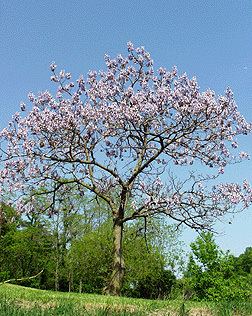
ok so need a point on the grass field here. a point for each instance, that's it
(20, 301)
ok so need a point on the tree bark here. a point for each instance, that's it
(116, 279)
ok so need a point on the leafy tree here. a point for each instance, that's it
(120, 130)
(25, 252)
(9, 219)
(72, 217)
(244, 261)
(212, 273)
(89, 259)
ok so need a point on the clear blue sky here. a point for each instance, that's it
(209, 39)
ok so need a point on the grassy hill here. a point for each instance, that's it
(21, 301)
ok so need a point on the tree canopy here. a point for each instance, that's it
(117, 133)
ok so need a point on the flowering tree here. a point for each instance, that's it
(117, 134)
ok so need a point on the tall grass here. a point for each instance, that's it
(20, 301)
(14, 308)
(240, 308)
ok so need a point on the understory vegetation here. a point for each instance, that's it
(71, 252)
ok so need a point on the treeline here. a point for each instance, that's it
(73, 248)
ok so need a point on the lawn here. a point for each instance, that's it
(21, 301)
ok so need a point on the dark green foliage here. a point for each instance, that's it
(89, 260)
(25, 252)
(244, 261)
(156, 285)
(146, 273)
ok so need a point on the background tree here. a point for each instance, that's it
(9, 221)
(244, 262)
(73, 218)
(149, 267)
(213, 274)
(119, 131)
(90, 259)
(25, 251)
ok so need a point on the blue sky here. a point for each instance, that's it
(209, 39)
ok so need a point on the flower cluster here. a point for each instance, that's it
(233, 193)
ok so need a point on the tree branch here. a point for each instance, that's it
(22, 279)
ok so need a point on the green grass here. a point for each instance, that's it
(21, 301)
(233, 308)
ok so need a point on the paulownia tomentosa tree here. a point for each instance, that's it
(115, 134)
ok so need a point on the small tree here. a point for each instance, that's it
(212, 274)
(116, 133)
(25, 252)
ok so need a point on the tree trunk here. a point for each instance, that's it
(80, 286)
(116, 279)
(56, 280)
(70, 281)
